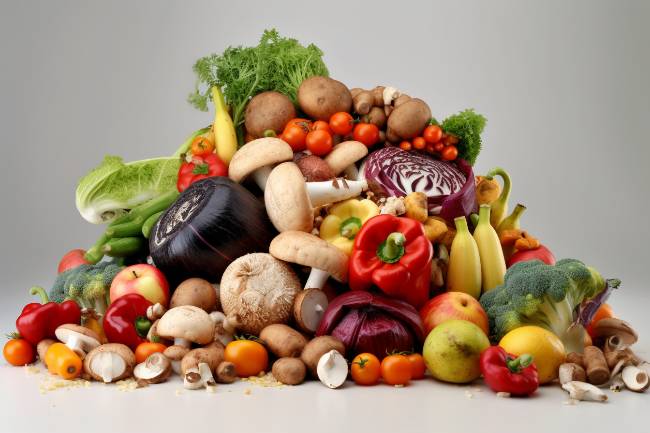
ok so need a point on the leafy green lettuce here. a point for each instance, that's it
(467, 126)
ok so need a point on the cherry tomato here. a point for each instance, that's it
(432, 134)
(341, 123)
(405, 145)
(449, 153)
(430, 148)
(250, 357)
(202, 146)
(295, 133)
(418, 367)
(438, 146)
(366, 133)
(365, 369)
(603, 312)
(145, 349)
(321, 125)
(396, 370)
(419, 143)
(18, 352)
(319, 142)
(451, 140)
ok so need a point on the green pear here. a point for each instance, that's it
(452, 351)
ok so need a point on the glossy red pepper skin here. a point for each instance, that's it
(407, 279)
(120, 319)
(201, 167)
(498, 376)
(39, 321)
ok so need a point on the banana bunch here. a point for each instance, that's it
(127, 235)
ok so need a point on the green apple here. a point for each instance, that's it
(452, 351)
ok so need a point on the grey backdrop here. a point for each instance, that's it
(564, 86)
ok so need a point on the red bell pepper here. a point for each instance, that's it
(201, 167)
(506, 373)
(39, 321)
(126, 320)
(393, 254)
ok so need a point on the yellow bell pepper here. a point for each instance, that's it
(344, 220)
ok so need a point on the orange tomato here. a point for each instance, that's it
(365, 369)
(319, 142)
(146, 348)
(451, 140)
(61, 360)
(366, 133)
(250, 357)
(18, 352)
(295, 133)
(202, 146)
(603, 312)
(405, 145)
(396, 370)
(419, 143)
(342, 123)
(418, 367)
(432, 134)
(438, 146)
(449, 153)
(321, 125)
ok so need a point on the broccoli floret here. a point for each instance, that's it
(534, 293)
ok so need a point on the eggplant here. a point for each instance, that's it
(210, 224)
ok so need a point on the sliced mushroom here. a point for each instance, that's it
(584, 391)
(78, 338)
(199, 377)
(155, 369)
(332, 369)
(635, 379)
(344, 156)
(256, 158)
(201, 362)
(109, 362)
(186, 324)
(308, 309)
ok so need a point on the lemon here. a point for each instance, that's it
(545, 347)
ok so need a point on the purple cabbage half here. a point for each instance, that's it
(367, 322)
(450, 187)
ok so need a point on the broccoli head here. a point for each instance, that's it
(549, 296)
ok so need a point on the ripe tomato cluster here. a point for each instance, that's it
(395, 369)
(434, 141)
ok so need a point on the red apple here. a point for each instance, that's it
(541, 253)
(143, 279)
(453, 305)
(71, 260)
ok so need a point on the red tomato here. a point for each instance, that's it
(449, 153)
(366, 133)
(418, 367)
(405, 145)
(438, 146)
(432, 134)
(419, 143)
(295, 133)
(451, 140)
(319, 142)
(341, 123)
(321, 125)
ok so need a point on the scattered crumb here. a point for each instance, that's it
(477, 389)
(265, 380)
(248, 391)
(127, 385)
(399, 386)
(31, 369)
(52, 383)
(211, 389)
(570, 402)
(503, 394)
(179, 392)
(469, 394)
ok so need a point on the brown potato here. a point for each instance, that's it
(268, 111)
(320, 97)
(409, 119)
(290, 371)
(283, 341)
(197, 292)
(317, 347)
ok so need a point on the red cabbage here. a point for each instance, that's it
(367, 322)
(450, 187)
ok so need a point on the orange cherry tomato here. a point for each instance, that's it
(365, 369)
(449, 153)
(604, 312)
(18, 352)
(250, 357)
(396, 370)
(366, 133)
(405, 145)
(295, 133)
(321, 125)
(419, 143)
(146, 348)
(430, 148)
(341, 123)
(432, 134)
(202, 146)
(418, 367)
(438, 146)
(319, 142)
(61, 360)
(451, 140)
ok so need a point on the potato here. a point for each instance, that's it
(409, 119)
(320, 97)
(268, 111)
(290, 371)
(283, 341)
(318, 347)
(197, 292)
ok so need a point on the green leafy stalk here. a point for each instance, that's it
(467, 126)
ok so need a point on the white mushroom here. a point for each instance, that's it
(155, 369)
(584, 391)
(109, 362)
(155, 312)
(343, 157)
(290, 201)
(256, 159)
(78, 338)
(198, 364)
(635, 379)
(220, 333)
(186, 324)
(332, 369)
(308, 309)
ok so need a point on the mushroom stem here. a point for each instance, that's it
(351, 172)
(261, 175)
(316, 279)
(182, 342)
(339, 189)
(584, 391)
(76, 345)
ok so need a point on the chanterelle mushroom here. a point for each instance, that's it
(343, 157)
(78, 338)
(109, 362)
(290, 201)
(256, 158)
(186, 324)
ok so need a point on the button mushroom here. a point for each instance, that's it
(198, 364)
(155, 369)
(186, 324)
(332, 369)
(635, 379)
(290, 201)
(175, 355)
(343, 157)
(256, 158)
(78, 338)
(109, 362)
(308, 309)
(220, 333)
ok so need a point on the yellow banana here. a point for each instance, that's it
(464, 272)
(511, 223)
(493, 264)
(225, 137)
(500, 205)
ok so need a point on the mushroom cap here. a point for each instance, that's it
(257, 154)
(187, 322)
(308, 309)
(345, 154)
(286, 199)
(175, 353)
(308, 250)
(118, 349)
(89, 338)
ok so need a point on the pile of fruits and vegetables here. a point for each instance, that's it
(315, 231)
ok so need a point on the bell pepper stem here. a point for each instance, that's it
(36, 290)
(142, 325)
(519, 363)
(392, 249)
(350, 227)
(316, 279)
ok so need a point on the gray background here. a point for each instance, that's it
(563, 85)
